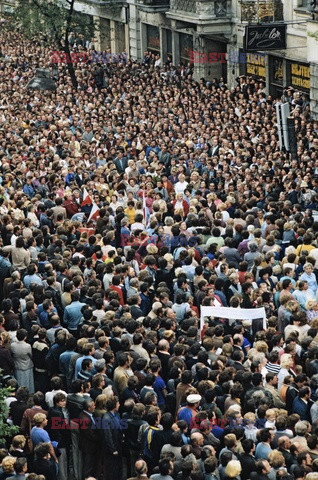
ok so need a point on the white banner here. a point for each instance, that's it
(233, 314)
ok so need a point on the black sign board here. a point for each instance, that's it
(265, 37)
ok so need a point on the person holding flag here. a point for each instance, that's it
(87, 202)
(87, 199)
(94, 213)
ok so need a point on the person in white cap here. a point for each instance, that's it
(191, 409)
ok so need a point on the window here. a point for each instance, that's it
(186, 46)
(153, 39)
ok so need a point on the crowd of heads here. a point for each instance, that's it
(197, 205)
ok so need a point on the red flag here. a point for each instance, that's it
(86, 199)
(94, 213)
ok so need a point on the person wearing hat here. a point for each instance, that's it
(189, 411)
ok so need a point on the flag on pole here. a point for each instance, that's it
(87, 200)
(94, 213)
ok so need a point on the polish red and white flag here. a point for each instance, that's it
(87, 200)
(94, 213)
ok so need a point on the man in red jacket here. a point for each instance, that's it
(116, 287)
(70, 205)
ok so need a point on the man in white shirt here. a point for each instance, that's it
(56, 384)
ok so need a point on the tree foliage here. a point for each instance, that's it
(6, 430)
(55, 20)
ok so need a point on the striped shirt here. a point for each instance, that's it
(273, 367)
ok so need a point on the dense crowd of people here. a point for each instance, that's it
(109, 373)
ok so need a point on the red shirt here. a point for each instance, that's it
(120, 293)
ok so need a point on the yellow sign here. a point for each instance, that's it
(255, 65)
(300, 76)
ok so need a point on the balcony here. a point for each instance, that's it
(201, 11)
(262, 11)
(153, 5)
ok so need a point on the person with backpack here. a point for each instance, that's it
(153, 419)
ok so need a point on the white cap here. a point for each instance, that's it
(194, 398)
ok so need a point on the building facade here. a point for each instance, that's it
(210, 35)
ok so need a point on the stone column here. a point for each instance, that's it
(134, 31)
(113, 36)
(97, 33)
(175, 48)
(200, 55)
(267, 73)
(127, 46)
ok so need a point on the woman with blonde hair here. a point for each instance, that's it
(222, 207)
(7, 466)
(6, 340)
(277, 462)
(250, 430)
(233, 470)
(261, 346)
(195, 180)
(151, 249)
(286, 363)
(193, 210)
(169, 258)
(312, 310)
(17, 446)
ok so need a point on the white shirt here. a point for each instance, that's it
(50, 395)
(13, 240)
(180, 187)
(137, 226)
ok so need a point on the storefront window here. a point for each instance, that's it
(186, 46)
(169, 43)
(153, 39)
(276, 76)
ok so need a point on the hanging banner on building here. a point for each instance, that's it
(233, 314)
(265, 37)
